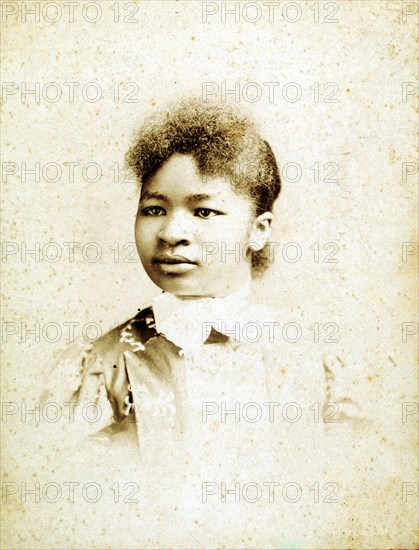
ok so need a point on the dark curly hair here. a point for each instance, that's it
(223, 142)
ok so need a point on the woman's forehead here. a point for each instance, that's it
(180, 175)
(178, 166)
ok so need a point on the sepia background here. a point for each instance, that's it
(333, 86)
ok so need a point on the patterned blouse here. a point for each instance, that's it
(139, 385)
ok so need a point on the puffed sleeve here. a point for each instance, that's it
(77, 385)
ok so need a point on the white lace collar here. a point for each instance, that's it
(187, 323)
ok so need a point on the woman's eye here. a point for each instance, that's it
(153, 211)
(206, 213)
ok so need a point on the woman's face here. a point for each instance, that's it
(193, 232)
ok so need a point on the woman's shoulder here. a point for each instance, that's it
(92, 376)
(131, 334)
(294, 348)
(85, 363)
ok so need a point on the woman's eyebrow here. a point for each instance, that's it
(199, 197)
(151, 195)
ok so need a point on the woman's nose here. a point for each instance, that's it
(176, 228)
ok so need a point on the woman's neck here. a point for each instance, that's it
(242, 289)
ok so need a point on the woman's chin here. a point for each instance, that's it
(178, 286)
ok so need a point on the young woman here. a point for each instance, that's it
(197, 385)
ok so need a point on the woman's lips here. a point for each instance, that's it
(174, 263)
(177, 267)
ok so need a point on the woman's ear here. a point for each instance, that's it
(260, 231)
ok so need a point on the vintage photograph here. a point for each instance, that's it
(210, 259)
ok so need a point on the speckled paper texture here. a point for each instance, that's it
(333, 87)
